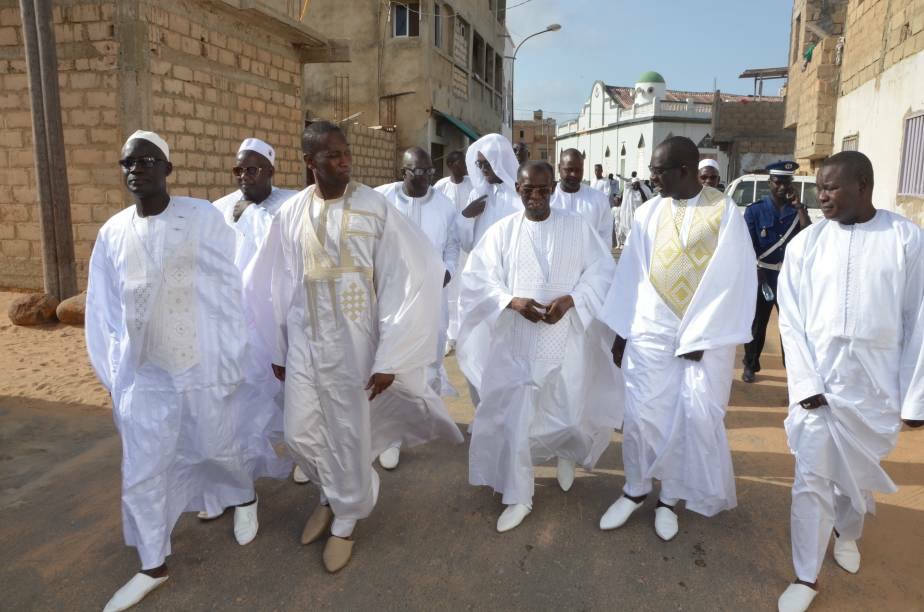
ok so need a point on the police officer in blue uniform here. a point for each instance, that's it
(773, 221)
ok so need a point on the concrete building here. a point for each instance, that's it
(856, 83)
(204, 74)
(538, 134)
(749, 134)
(433, 71)
(619, 127)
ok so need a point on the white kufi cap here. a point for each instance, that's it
(709, 163)
(154, 139)
(258, 146)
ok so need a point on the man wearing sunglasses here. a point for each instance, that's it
(435, 214)
(531, 293)
(679, 304)
(167, 337)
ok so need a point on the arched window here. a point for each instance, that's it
(641, 141)
(622, 153)
(607, 153)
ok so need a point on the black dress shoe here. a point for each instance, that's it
(748, 375)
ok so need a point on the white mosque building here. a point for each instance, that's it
(620, 126)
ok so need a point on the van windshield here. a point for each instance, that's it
(744, 193)
(810, 195)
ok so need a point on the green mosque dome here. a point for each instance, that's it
(650, 77)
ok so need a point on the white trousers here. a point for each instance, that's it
(818, 506)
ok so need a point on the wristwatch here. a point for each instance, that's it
(813, 402)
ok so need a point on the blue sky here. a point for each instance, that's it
(689, 43)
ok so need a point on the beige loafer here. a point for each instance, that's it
(337, 553)
(317, 524)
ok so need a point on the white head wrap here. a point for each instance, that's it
(709, 163)
(499, 153)
(258, 146)
(154, 139)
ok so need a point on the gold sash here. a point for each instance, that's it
(677, 270)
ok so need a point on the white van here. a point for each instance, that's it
(752, 187)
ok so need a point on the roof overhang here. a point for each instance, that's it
(459, 124)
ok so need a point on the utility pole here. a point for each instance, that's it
(48, 140)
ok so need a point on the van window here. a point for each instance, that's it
(744, 193)
(810, 195)
(763, 189)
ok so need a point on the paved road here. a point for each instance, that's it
(431, 541)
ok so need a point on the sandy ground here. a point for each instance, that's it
(431, 541)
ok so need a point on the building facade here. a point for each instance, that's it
(204, 74)
(433, 71)
(618, 127)
(857, 83)
(538, 134)
(749, 133)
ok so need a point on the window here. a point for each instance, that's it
(460, 44)
(478, 55)
(405, 19)
(796, 35)
(911, 176)
(521, 133)
(437, 26)
(498, 73)
(850, 143)
(744, 193)
(489, 65)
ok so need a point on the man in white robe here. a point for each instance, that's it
(571, 194)
(249, 211)
(633, 196)
(851, 298)
(599, 182)
(436, 215)
(166, 335)
(457, 187)
(493, 168)
(346, 294)
(536, 282)
(679, 305)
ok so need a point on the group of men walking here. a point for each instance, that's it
(321, 318)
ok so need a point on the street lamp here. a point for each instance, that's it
(513, 58)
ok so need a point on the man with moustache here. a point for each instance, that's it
(571, 194)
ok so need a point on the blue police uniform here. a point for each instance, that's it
(768, 225)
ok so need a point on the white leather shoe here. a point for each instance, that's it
(205, 516)
(566, 469)
(512, 516)
(245, 523)
(299, 476)
(796, 598)
(847, 554)
(617, 514)
(665, 523)
(389, 458)
(133, 592)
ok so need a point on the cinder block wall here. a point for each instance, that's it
(203, 75)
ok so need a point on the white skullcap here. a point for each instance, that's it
(153, 138)
(709, 163)
(258, 146)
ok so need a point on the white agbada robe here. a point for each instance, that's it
(342, 289)
(674, 429)
(502, 197)
(852, 321)
(436, 215)
(458, 193)
(254, 223)
(592, 205)
(546, 390)
(166, 335)
(602, 185)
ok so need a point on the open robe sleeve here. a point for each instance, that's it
(408, 276)
(722, 309)
(452, 247)
(103, 327)
(269, 288)
(591, 290)
(465, 227)
(802, 375)
(911, 368)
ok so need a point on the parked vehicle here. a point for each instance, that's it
(752, 187)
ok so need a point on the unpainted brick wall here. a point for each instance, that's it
(88, 77)
(880, 33)
(373, 151)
